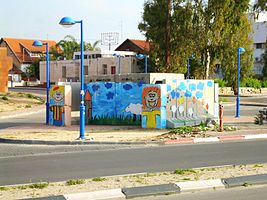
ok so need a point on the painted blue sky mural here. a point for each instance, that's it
(115, 99)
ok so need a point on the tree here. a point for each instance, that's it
(66, 47)
(211, 30)
(160, 28)
(260, 6)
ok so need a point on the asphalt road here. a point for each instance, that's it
(243, 193)
(38, 118)
(88, 164)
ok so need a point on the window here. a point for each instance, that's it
(113, 70)
(86, 70)
(64, 72)
(77, 57)
(98, 55)
(105, 69)
(85, 56)
(259, 45)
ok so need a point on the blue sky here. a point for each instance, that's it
(38, 19)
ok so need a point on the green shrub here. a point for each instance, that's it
(264, 84)
(28, 106)
(4, 188)
(97, 179)
(221, 82)
(39, 185)
(251, 82)
(184, 171)
(75, 182)
(29, 96)
(4, 98)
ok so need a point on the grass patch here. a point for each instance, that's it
(39, 185)
(120, 120)
(186, 179)
(257, 165)
(98, 179)
(185, 129)
(150, 175)
(28, 106)
(4, 188)
(30, 96)
(75, 182)
(223, 99)
(184, 171)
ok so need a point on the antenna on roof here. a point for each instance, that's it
(109, 39)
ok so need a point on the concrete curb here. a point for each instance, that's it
(175, 188)
(78, 142)
(216, 139)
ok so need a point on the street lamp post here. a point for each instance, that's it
(239, 51)
(38, 43)
(68, 22)
(142, 56)
(119, 64)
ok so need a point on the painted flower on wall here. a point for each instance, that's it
(209, 84)
(127, 87)
(108, 85)
(95, 87)
(200, 86)
(110, 95)
(182, 86)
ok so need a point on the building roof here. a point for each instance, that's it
(19, 46)
(138, 46)
(142, 44)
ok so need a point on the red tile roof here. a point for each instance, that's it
(19, 46)
(142, 44)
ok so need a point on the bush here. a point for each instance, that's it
(221, 82)
(251, 82)
(97, 179)
(75, 182)
(4, 98)
(184, 171)
(264, 84)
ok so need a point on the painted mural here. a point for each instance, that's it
(114, 103)
(57, 102)
(180, 102)
(151, 99)
(189, 100)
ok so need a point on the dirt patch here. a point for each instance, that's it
(13, 101)
(105, 183)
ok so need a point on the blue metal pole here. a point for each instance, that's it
(82, 107)
(47, 83)
(146, 64)
(188, 67)
(238, 85)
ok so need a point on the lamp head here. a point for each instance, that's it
(67, 22)
(140, 56)
(37, 43)
(241, 50)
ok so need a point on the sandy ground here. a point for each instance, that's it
(105, 183)
(13, 101)
(113, 133)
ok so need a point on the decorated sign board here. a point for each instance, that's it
(60, 105)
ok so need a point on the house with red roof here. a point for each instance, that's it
(137, 46)
(22, 51)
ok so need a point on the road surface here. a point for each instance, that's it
(87, 164)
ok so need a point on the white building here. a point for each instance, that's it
(95, 63)
(259, 42)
